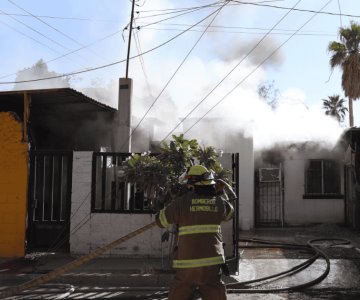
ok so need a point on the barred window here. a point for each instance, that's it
(322, 177)
(110, 193)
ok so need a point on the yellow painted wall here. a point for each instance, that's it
(13, 186)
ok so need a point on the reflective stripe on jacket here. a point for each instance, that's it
(198, 218)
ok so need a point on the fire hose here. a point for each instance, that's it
(237, 287)
(97, 252)
(72, 265)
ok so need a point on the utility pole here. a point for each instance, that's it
(122, 130)
(129, 41)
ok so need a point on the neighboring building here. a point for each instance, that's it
(13, 185)
(350, 145)
(51, 123)
(300, 184)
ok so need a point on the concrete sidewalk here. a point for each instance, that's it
(115, 273)
(105, 271)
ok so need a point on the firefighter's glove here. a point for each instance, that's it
(225, 269)
(165, 236)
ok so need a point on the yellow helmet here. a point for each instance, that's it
(200, 175)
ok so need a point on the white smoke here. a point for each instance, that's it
(242, 112)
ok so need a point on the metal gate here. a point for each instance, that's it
(233, 263)
(269, 206)
(352, 196)
(49, 200)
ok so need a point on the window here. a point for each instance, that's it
(322, 178)
(110, 193)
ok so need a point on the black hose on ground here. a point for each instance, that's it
(238, 287)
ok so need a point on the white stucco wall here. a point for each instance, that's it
(299, 211)
(244, 146)
(100, 229)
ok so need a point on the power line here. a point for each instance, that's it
(187, 10)
(102, 66)
(105, 20)
(167, 9)
(169, 18)
(71, 52)
(233, 27)
(338, 1)
(24, 34)
(54, 28)
(297, 9)
(62, 18)
(139, 50)
(38, 32)
(245, 32)
(215, 13)
(257, 67)
(231, 71)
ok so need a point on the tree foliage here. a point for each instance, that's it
(334, 106)
(269, 93)
(346, 55)
(158, 174)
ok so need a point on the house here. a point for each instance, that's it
(66, 187)
(60, 190)
(299, 184)
(350, 145)
(39, 130)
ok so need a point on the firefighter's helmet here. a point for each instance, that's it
(200, 175)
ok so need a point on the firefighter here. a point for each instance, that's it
(199, 253)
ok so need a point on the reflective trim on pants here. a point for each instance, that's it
(200, 262)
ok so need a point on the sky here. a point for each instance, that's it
(217, 64)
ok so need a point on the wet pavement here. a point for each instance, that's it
(125, 278)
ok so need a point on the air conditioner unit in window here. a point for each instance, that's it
(269, 174)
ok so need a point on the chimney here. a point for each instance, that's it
(122, 138)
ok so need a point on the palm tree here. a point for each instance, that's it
(346, 54)
(334, 106)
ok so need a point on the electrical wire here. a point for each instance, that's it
(244, 32)
(62, 18)
(215, 13)
(257, 67)
(176, 16)
(71, 52)
(24, 34)
(104, 66)
(54, 28)
(297, 9)
(185, 10)
(338, 1)
(142, 62)
(36, 31)
(230, 72)
(233, 27)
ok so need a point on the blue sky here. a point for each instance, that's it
(299, 69)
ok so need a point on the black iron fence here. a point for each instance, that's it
(111, 193)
